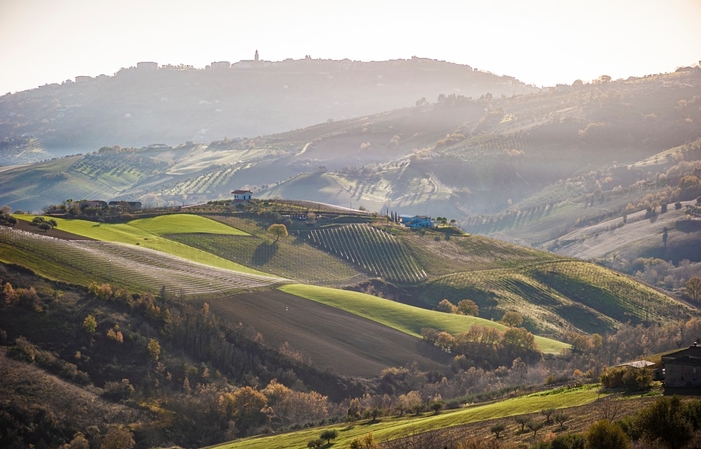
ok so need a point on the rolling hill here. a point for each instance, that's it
(553, 294)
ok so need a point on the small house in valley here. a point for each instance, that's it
(242, 196)
(682, 369)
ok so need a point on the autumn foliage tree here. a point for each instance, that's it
(693, 288)
(468, 307)
(278, 231)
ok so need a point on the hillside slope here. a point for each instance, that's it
(172, 105)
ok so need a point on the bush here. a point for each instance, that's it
(626, 377)
(606, 435)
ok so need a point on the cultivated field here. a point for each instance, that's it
(370, 249)
(140, 269)
(347, 342)
(556, 296)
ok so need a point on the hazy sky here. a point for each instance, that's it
(538, 41)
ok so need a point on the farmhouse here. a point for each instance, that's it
(683, 368)
(416, 221)
(97, 204)
(242, 196)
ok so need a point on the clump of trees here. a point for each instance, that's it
(626, 377)
(487, 344)
(464, 307)
(5, 218)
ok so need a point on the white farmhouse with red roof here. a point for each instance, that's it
(242, 196)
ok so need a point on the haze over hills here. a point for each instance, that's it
(249, 317)
(527, 168)
(148, 104)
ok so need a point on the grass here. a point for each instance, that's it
(147, 234)
(184, 223)
(390, 428)
(130, 266)
(405, 318)
(290, 257)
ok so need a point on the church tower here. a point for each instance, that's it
(256, 56)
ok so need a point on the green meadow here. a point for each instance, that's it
(403, 317)
(147, 233)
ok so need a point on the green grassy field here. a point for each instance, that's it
(290, 257)
(138, 269)
(147, 234)
(390, 428)
(400, 316)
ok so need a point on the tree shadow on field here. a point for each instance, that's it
(264, 252)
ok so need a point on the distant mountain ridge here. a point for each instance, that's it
(174, 104)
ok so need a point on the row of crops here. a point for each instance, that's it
(581, 293)
(371, 249)
(137, 268)
(206, 183)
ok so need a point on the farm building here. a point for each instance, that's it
(683, 368)
(242, 196)
(97, 204)
(125, 205)
(416, 221)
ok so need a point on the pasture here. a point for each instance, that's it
(147, 233)
(405, 318)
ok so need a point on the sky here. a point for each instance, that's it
(540, 42)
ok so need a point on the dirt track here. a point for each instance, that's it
(351, 345)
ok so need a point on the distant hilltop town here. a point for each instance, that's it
(151, 102)
(257, 63)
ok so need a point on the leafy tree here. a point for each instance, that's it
(606, 435)
(90, 324)
(316, 443)
(468, 307)
(547, 412)
(690, 186)
(512, 319)
(278, 231)
(78, 442)
(446, 306)
(561, 418)
(436, 406)
(328, 435)
(497, 429)
(664, 420)
(154, 348)
(117, 438)
(367, 441)
(693, 288)
(535, 426)
(569, 441)
(665, 233)
(10, 294)
(522, 420)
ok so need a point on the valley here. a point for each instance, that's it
(564, 243)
